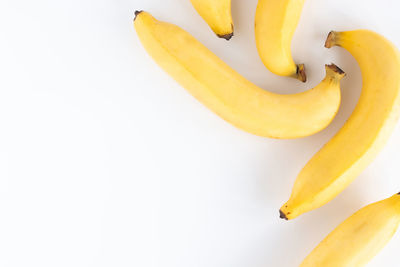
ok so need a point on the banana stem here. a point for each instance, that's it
(331, 39)
(334, 72)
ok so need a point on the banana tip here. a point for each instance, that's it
(336, 69)
(226, 36)
(301, 73)
(283, 215)
(137, 12)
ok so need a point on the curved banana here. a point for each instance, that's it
(217, 14)
(229, 94)
(275, 24)
(348, 153)
(359, 238)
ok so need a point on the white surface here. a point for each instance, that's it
(106, 161)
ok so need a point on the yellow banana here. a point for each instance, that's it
(275, 24)
(218, 15)
(359, 238)
(348, 153)
(229, 94)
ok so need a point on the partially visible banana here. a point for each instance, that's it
(359, 238)
(229, 94)
(275, 24)
(349, 152)
(218, 15)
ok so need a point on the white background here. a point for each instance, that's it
(106, 161)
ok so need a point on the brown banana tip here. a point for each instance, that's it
(282, 215)
(398, 193)
(336, 69)
(226, 36)
(301, 73)
(330, 40)
(137, 12)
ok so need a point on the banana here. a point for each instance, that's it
(348, 153)
(275, 24)
(218, 15)
(229, 94)
(359, 238)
